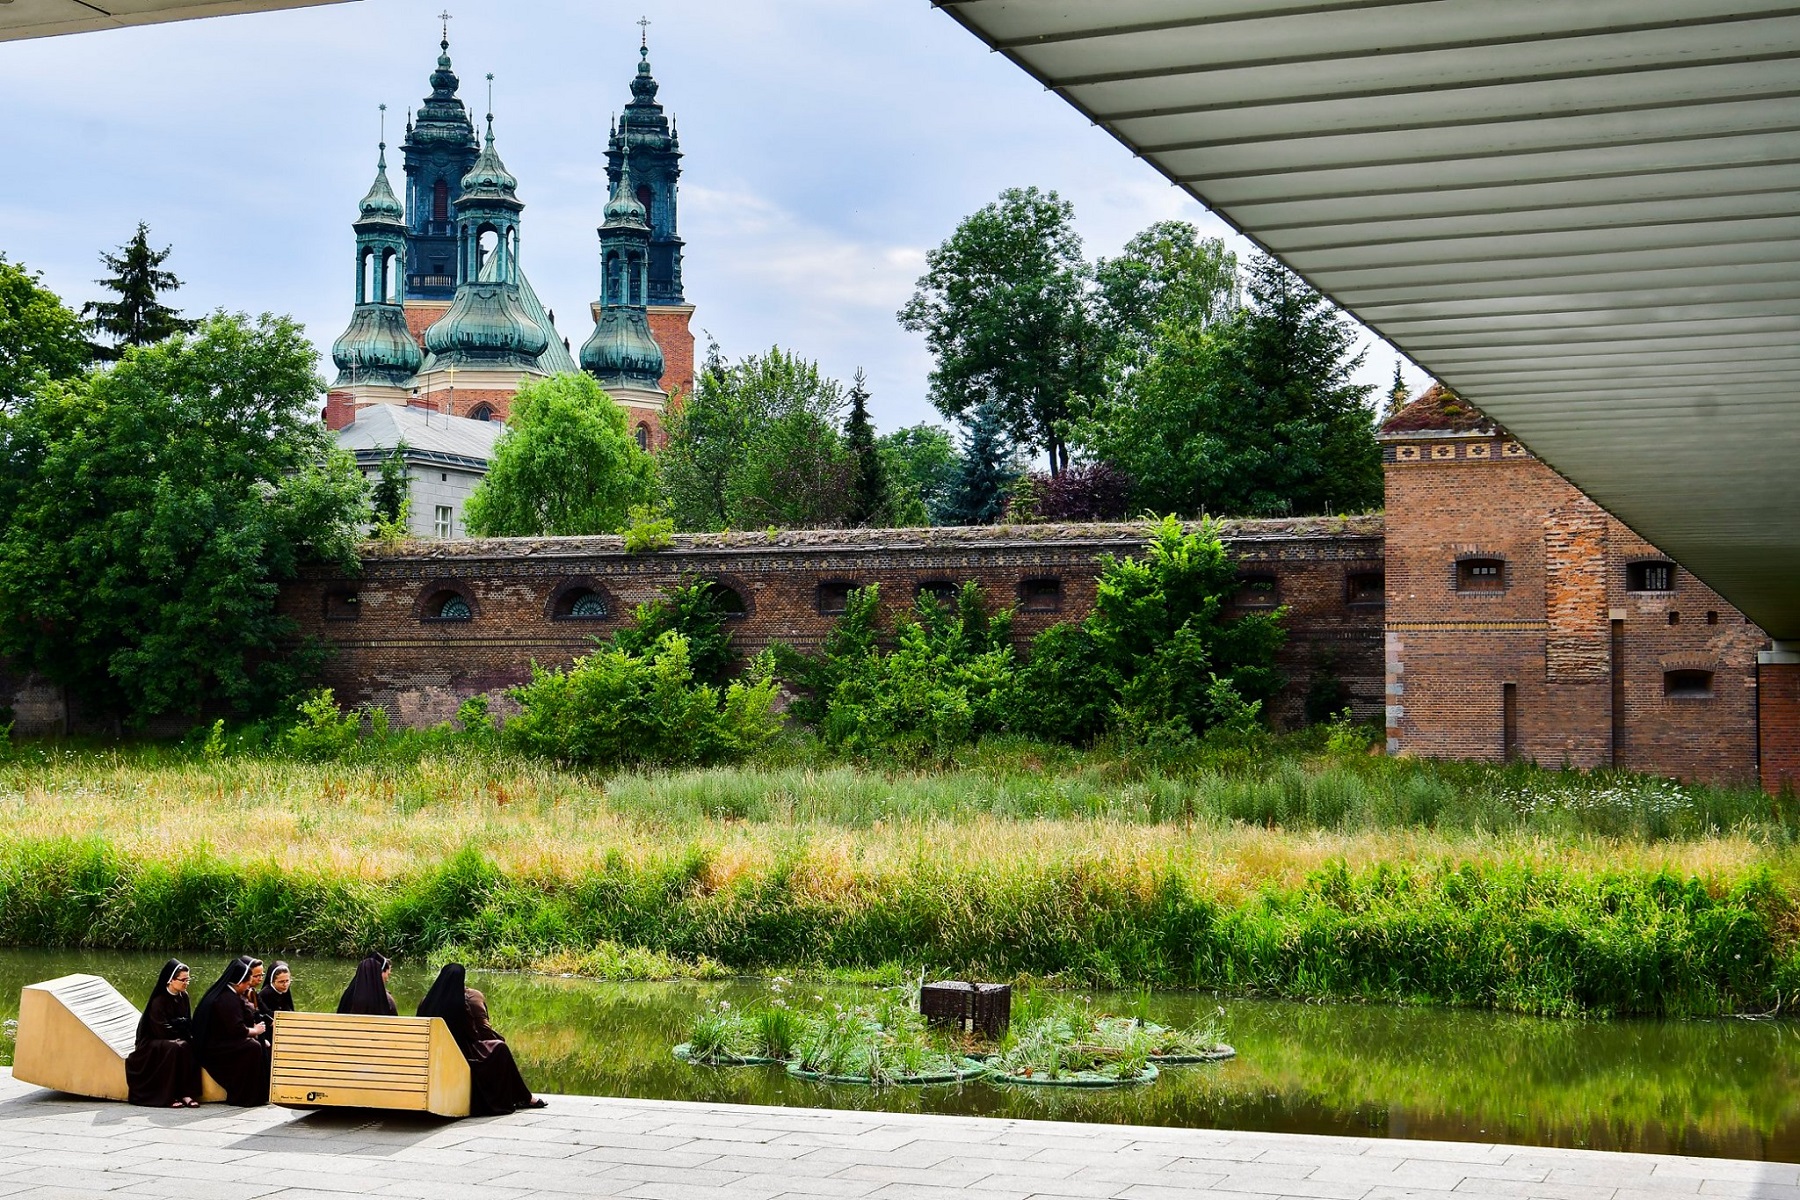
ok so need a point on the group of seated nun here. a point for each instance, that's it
(230, 1031)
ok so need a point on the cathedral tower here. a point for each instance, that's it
(439, 149)
(489, 334)
(645, 140)
(376, 357)
(621, 353)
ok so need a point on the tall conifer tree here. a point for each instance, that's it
(869, 486)
(984, 472)
(138, 317)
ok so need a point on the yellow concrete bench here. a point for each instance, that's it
(335, 1060)
(74, 1036)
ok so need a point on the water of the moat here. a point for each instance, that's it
(1720, 1087)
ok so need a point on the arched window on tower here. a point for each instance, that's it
(481, 412)
(615, 289)
(644, 195)
(643, 436)
(390, 277)
(485, 241)
(637, 279)
(365, 277)
(440, 201)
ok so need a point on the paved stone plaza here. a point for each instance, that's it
(53, 1146)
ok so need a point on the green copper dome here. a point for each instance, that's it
(620, 352)
(487, 324)
(377, 348)
(381, 205)
(489, 180)
(624, 208)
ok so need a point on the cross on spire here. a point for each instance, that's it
(643, 24)
(446, 18)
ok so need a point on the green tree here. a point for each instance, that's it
(37, 334)
(870, 495)
(758, 444)
(149, 514)
(138, 317)
(565, 466)
(1166, 275)
(1006, 309)
(985, 473)
(393, 487)
(1257, 415)
(919, 462)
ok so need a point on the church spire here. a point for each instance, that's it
(378, 349)
(645, 135)
(621, 352)
(487, 324)
(439, 149)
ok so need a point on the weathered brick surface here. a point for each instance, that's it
(1779, 687)
(393, 654)
(1552, 631)
(669, 327)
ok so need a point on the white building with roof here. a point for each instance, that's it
(445, 458)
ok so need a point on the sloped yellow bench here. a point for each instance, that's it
(74, 1036)
(334, 1060)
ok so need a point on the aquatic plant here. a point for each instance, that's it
(719, 1035)
(1072, 1043)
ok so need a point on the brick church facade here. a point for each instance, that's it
(445, 318)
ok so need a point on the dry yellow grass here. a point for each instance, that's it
(388, 820)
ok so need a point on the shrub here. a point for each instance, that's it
(691, 609)
(322, 733)
(615, 706)
(1159, 652)
(947, 681)
(1084, 492)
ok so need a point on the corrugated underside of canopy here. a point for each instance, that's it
(1579, 215)
(43, 18)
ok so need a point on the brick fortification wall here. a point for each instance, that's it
(392, 649)
(1599, 668)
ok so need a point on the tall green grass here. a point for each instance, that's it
(1547, 940)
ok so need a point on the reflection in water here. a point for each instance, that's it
(1718, 1088)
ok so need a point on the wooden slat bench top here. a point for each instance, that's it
(334, 1060)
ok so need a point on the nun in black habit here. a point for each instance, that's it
(229, 1038)
(162, 1071)
(495, 1085)
(278, 994)
(367, 994)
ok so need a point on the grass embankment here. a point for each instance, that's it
(1289, 873)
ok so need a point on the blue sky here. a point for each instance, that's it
(829, 144)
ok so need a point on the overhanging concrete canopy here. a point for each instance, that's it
(1580, 215)
(42, 18)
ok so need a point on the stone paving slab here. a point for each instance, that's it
(59, 1148)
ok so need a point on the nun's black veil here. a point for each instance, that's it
(367, 993)
(170, 969)
(446, 1000)
(234, 974)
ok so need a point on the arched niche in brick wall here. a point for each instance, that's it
(447, 601)
(581, 599)
(733, 597)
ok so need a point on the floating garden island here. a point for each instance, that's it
(1057, 1043)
